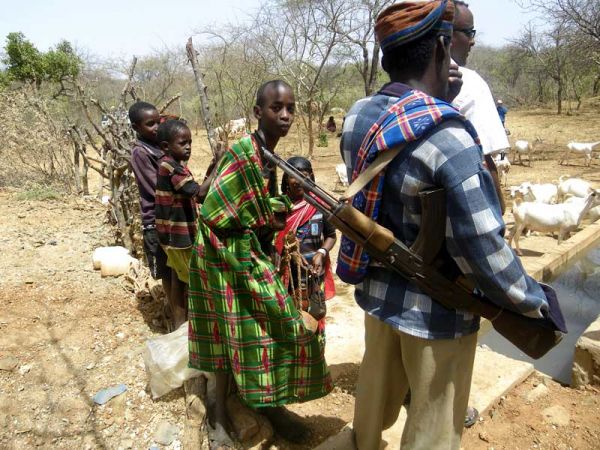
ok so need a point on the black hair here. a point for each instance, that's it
(411, 58)
(167, 130)
(301, 164)
(275, 84)
(136, 110)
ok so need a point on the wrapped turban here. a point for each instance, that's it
(407, 21)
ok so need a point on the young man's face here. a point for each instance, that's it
(148, 125)
(463, 37)
(180, 147)
(277, 114)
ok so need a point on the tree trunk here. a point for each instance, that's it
(559, 97)
(596, 87)
(76, 167)
(84, 178)
(311, 138)
(374, 70)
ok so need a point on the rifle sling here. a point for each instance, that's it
(380, 163)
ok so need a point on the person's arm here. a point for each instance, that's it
(183, 183)
(211, 172)
(145, 176)
(481, 111)
(318, 260)
(474, 235)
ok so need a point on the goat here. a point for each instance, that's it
(539, 193)
(527, 148)
(503, 166)
(594, 213)
(342, 174)
(562, 218)
(573, 186)
(582, 148)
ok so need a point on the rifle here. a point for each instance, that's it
(534, 337)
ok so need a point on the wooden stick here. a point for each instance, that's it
(169, 103)
(202, 91)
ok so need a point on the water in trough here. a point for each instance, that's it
(578, 290)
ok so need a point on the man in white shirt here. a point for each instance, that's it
(476, 103)
(475, 100)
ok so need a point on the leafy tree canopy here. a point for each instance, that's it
(25, 63)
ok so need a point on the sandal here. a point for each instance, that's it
(471, 417)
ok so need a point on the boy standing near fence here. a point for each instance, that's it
(144, 118)
(176, 213)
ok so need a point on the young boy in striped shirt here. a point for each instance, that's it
(176, 196)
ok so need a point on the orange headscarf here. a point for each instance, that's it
(407, 21)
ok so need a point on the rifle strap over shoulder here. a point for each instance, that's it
(380, 163)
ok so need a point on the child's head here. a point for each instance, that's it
(175, 139)
(275, 108)
(144, 120)
(289, 185)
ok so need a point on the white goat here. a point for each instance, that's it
(562, 218)
(594, 213)
(581, 148)
(573, 186)
(527, 148)
(503, 166)
(539, 193)
(342, 174)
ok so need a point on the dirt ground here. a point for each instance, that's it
(66, 332)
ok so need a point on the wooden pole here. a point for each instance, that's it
(202, 91)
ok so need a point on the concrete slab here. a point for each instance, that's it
(586, 360)
(493, 376)
(551, 263)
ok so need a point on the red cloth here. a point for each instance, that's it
(301, 213)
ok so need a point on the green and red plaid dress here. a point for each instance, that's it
(242, 319)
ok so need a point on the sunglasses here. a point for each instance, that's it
(469, 32)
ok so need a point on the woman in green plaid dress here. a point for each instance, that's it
(242, 320)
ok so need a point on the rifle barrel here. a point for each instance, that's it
(307, 184)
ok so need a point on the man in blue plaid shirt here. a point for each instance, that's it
(412, 342)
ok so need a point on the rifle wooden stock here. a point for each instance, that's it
(531, 336)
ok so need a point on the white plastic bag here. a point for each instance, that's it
(166, 358)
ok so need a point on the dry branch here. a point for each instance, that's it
(202, 91)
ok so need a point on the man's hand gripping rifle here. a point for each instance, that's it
(417, 264)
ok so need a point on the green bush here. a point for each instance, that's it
(39, 193)
(322, 140)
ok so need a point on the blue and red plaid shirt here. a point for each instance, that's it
(448, 157)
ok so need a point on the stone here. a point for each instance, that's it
(586, 360)
(344, 440)
(25, 369)
(8, 363)
(126, 444)
(556, 415)
(484, 436)
(536, 393)
(165, 432)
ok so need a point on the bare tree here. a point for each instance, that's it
(357, 28)
(583, 14)
(301, 40)
(549, 52)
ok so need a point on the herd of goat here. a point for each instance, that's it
(550, 207)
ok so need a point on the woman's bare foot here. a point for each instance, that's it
(287, 424)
